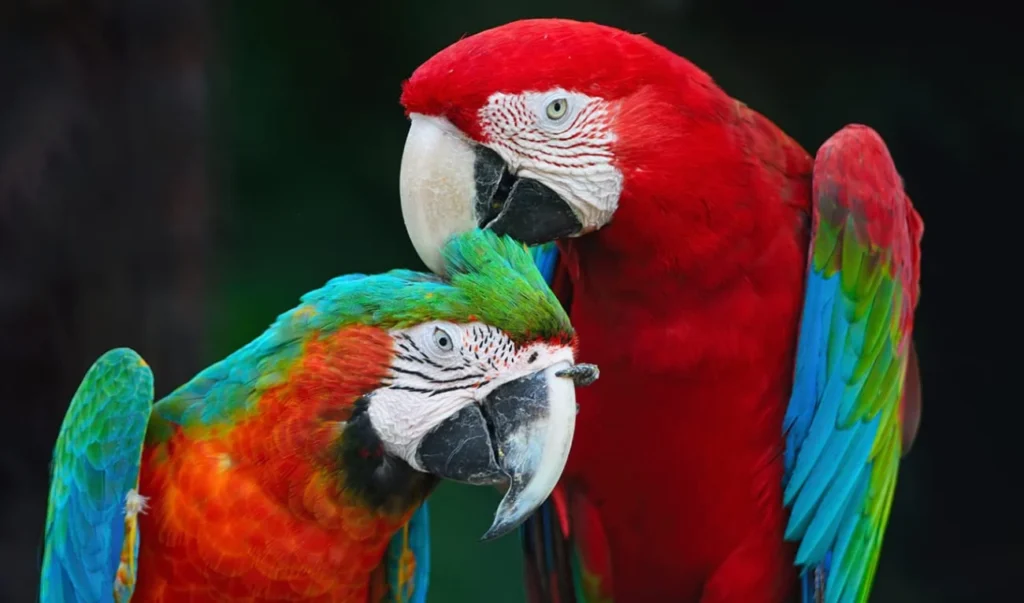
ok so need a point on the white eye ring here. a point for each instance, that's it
(557, 108)
(443, 340)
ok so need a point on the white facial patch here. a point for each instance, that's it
(563, 140)
(439, 368)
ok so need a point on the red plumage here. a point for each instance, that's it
(703, 342)
(689, 300)
(254, 511)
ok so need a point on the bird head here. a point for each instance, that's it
(548, 128)
(476, 376)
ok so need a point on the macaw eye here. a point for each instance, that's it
(557, 108)
(443, 340)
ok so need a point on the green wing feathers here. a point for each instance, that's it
(95, 466)
(845, 421)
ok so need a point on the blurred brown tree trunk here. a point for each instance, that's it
(103, 221)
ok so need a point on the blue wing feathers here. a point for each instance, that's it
(402, 588)
(829, 391)
(818, 481)
(546, 258)
(849, 470)
(826, 472)
(807, 375)
(96, 463)
(419, 542)
(841, 427)
(836, 580)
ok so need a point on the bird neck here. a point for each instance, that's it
(719, 194)
(312, 429)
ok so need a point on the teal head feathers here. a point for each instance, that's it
(312, 447)
(467, 376)
(488, 279)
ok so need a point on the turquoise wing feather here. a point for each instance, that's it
(546, 259)
(408, 560)
(95, 466)
(844, 422)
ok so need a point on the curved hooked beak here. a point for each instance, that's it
(449, 184)
(519, 434)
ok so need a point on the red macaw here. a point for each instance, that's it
(703, 254)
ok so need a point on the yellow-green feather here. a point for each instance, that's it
(843, 425)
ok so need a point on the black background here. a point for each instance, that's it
(175, 173)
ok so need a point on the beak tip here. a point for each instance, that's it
(515, 507)
(499, 528)
(489, 535)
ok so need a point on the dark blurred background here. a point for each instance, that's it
(175, 173)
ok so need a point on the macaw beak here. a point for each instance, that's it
(450, 184)
(519, 435)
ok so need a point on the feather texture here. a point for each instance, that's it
(690, 299)
(248, 466)
(844, 419)
(843, 424)
(95, 466)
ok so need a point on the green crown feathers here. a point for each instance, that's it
(489, 278)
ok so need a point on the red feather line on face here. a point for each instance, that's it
(646, 85)
(708, 172)
(258, 510)
(457, 81)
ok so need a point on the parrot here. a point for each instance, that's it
(751, 308)
(297, 467)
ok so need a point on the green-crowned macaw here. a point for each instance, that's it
(282, 472)
(703, 254)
